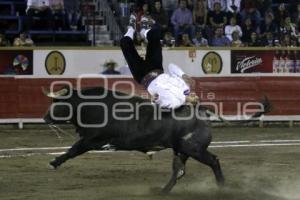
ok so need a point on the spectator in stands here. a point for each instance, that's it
(250, 11)
(268, 25)
(190, 4)
(71, 5)
(254, 41)
(264, 6)
(160, 17)
(73, 15)
(222, 3)
(199, 40)
(184, 41)
(247, 29)
(277, 42)
(233, 27)
(217, 17)
(296, 15)
(268, 39)
(168, 40)
(236, 42)
(220, 40)
(39, 8)
(59, 14)
(75, 20)
(182, 20)
(287, 27)
(143, 18)
(169, 6)
(293, 6)
(200, 13)
(23, 40)
(3, 41)
(233, 6)
(280, 14)
(57, 6)
(110, 68)
(287, 41)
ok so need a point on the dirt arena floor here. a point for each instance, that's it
(258, 164)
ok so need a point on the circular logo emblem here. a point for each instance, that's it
(55, 63)
(212, 63)
(22, 62)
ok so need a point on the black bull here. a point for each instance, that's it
(142, 130)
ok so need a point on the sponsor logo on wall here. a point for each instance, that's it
(212, 63)
(15, 62)
(55, 63)
(251, 62)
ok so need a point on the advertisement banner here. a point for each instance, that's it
(251, 62)
(16, 62)
(271, 61)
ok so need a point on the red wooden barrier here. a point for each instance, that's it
(23, 98)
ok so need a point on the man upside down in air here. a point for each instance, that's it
(169, 90)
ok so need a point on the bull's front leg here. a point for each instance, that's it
(178, 171)
(77, 149)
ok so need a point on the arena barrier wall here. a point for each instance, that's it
(22, 99)
(230, 78)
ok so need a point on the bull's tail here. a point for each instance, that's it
(266, 109)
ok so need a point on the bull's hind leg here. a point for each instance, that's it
(178, 171)
(77, 149)
(211, 160)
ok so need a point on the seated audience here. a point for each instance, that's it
(219, 39)
(236, 42)
(200, 14)
(23, 40)
(211, 4)
(217, 17)
(3, 41)
(268, 25)
(254, 40)
(59, 14)
(170, 6)
(233, 6)
(232, 27)
(264, 6)
(251, 11)
(268, 39)
(280, 14)
(168, 40)
(247, 29)
(184, 41)
(160, 17)
(39, 8)
(143, 18)
(287, 27)
(199, 40)
(296, 15)
(182, 20)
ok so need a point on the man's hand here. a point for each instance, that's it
(192, 98)
(188, 80)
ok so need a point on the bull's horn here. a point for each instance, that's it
(57, 94)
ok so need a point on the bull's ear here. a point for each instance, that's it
(57, 94)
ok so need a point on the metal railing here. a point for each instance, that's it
(110, 20)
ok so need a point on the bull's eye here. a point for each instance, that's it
(61, 111)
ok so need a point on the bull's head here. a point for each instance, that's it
(60, 110)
